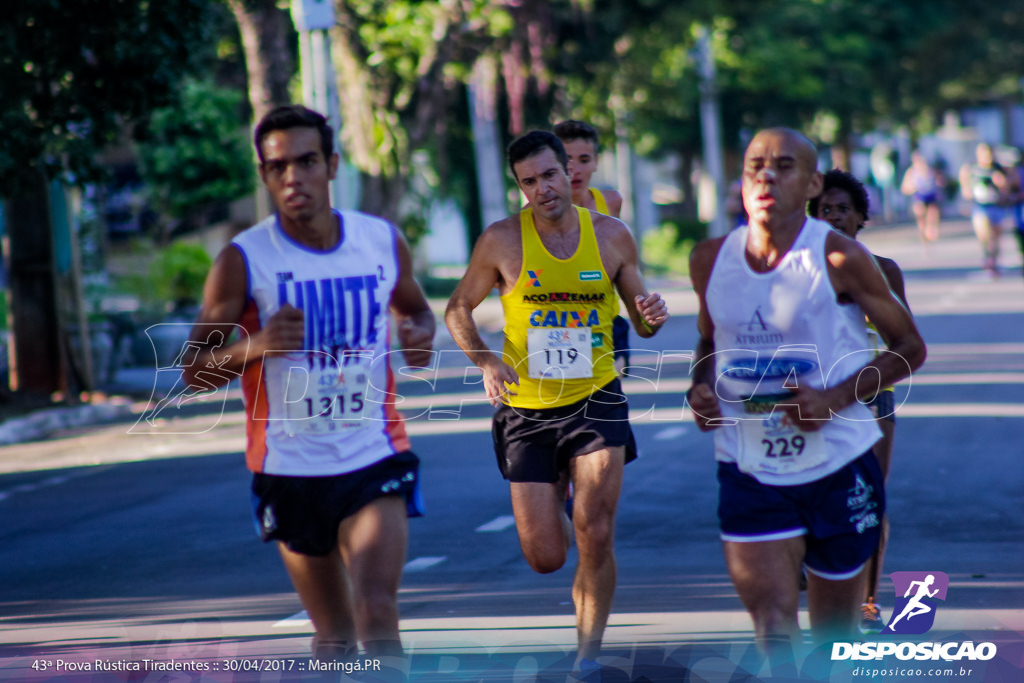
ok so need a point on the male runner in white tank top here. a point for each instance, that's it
(782, 302)
(313, 292)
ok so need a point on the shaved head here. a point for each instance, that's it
(806, 152)
(780, 175)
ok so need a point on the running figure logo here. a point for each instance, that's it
(914, 613)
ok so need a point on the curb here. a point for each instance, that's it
(43, 423)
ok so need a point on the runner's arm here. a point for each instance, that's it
(894, 276)
(647, 310)
(907, 186)
(701, 396)
(225, 296)
(482, 275)
(415, 321)
(614, 201)
(853, 272)
(965, 182)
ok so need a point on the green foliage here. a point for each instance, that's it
(179, 272)
(666, 249)
(401, 67)
(414, 227)
(75, 72)
(854, 63)
(196, 151)
(634, 63)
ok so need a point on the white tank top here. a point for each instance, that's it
(779, 330)
(329, 409)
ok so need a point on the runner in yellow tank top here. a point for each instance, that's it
(582, 146)
(557, 268)
(583, 150)
(558, 320)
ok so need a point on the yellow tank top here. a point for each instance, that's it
(600, 205)
(558, 320)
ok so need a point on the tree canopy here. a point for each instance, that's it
(195, 152)
(76, 72)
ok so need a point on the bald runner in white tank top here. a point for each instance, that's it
(775, 330)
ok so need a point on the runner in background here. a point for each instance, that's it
(924, 184)
(844, 205)
(985, 183)
(583, 149)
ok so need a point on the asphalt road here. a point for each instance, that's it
(126, 543)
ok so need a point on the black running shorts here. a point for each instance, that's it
(536, 445)
(304, 512)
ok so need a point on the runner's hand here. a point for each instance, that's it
(704, 404)
(807, 409)
(285, 330)
(416, 342)
(498, 380)
(652, 309)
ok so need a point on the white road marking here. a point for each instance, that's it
(669, 433)
(298, 619)
(45, 483)
(497, 524)
(421, 563)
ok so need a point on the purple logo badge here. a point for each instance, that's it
(917, 595)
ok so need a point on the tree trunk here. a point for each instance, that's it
(267, 37)
(38, 368)
(382, 196)
(381, 130)
(688, 207)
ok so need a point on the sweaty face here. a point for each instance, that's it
(545, 184)
(779, 177)
(836, 208)
(582, 164)
(296, 173)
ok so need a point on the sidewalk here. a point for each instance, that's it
(934, 272)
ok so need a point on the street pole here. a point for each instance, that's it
(313, 19)
(709, 123)
(486, 141)
(624, 168)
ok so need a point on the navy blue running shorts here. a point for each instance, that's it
(884, 406)
(840, 516)
(304, 512)
(536, 445)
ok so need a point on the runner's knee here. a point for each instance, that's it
(545, 561)
(594, 533)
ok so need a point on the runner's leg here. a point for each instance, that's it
(597, 480)
(373, 543)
